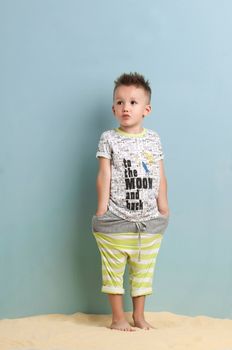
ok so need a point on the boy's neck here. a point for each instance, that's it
(136, 130)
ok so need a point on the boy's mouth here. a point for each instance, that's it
(126, 115)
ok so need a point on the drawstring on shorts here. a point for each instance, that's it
(141, 227)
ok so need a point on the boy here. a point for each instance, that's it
(132, 212)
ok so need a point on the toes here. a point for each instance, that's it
(122, 327)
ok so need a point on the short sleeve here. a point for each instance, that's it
(104, 149)
(159, 149)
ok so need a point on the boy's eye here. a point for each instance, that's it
(133, 102)
(119, 102)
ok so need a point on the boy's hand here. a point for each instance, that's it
(100, 212)
(164, 211)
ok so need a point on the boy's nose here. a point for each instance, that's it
(126, 108)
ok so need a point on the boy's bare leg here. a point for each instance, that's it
(138, 313)
(119, 321)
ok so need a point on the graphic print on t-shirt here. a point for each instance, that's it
(134, 184)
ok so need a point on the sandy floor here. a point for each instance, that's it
(90, 332)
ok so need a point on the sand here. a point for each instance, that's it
(90, 332)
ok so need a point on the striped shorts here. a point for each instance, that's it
(138, 249)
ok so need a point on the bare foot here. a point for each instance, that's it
(122, 325)
(141, 323)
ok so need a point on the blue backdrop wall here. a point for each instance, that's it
(58, 63)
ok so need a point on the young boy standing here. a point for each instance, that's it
(132, 212)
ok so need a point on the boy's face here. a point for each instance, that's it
(130, 105)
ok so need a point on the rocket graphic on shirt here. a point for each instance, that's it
(145, 167)
(147, 161)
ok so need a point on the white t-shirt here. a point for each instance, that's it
(135, 172)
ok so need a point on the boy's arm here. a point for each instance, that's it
(162, 200)
(103, 185)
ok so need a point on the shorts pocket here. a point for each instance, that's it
(99, 221)
(162, 221)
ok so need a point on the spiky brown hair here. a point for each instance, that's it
(135, 79)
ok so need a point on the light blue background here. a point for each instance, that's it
(58, 63)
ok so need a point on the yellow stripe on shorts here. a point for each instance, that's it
(117, 249)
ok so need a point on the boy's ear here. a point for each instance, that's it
(113, 109)
(147, 110)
